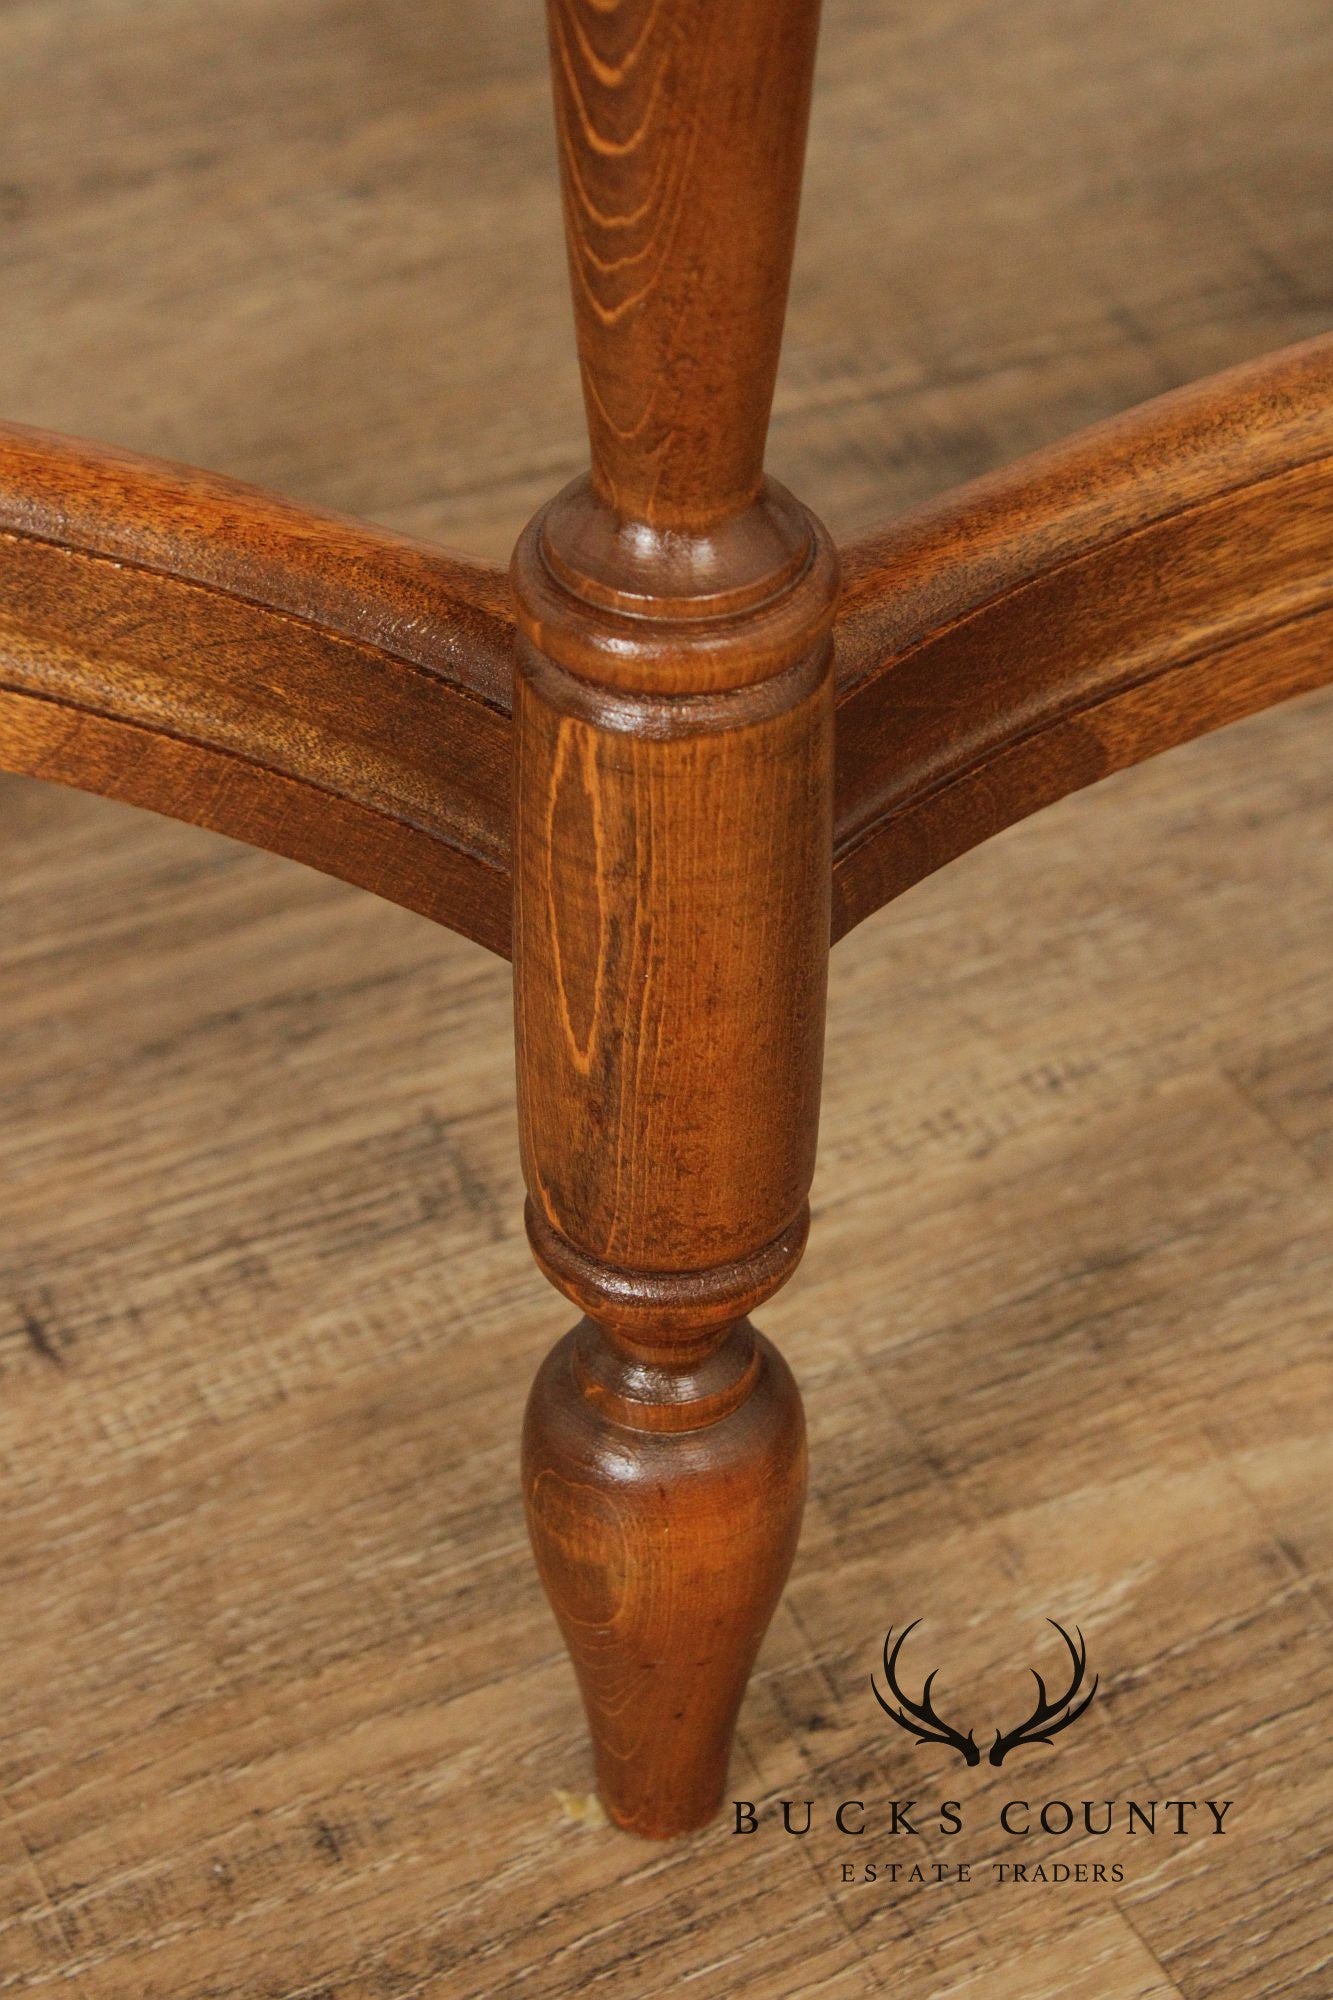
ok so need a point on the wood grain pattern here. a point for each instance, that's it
(332, 691)
(1159, 576)
(237, 1424)
(664, 1505)
(281, 1704)
(671, 919)
(673, 840)
(182, 643)
(682, 136)
(1164, 574)
(349, 272)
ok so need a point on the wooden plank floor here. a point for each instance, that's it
(282, 1711)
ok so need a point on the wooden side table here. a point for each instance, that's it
(679, 751)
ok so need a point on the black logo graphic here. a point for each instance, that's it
(1046, 1721)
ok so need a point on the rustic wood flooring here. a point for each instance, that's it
(283, 1714)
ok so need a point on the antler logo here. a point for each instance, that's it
(1048, 1718)
(1046, 1721)
(918, 1718)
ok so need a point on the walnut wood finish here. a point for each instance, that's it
(648, 704)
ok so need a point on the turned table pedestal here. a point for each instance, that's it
(667, 762)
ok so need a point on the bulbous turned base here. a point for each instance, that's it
(664, 1503)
